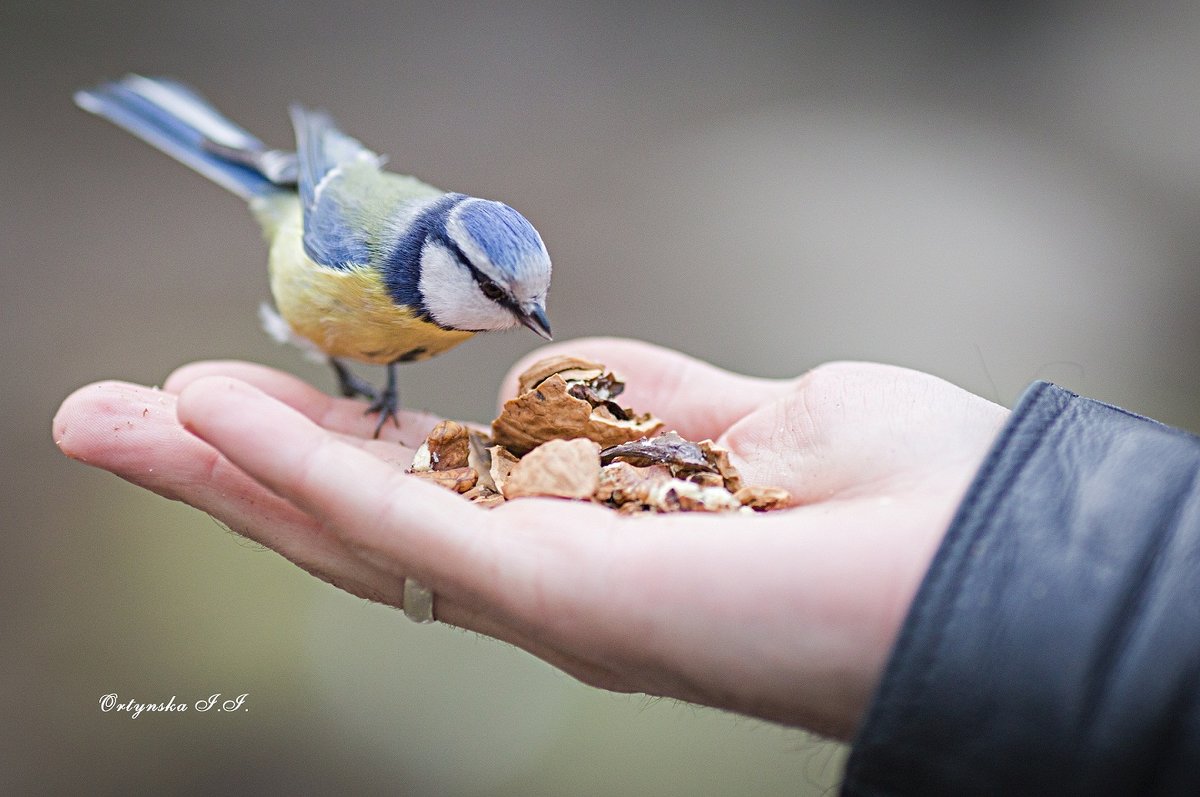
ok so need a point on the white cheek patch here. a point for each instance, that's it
(453, 297)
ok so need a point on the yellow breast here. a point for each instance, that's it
(346, 313)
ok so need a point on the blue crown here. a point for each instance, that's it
(505, 236)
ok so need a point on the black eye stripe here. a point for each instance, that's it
(486, 284)
(491, 289)
(495, 293)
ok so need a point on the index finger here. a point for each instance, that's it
(343, 415)
(396, 521)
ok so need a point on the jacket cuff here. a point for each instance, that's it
(1054, 644)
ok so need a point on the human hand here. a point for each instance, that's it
(788, 615)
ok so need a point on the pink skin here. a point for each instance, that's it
(787, 616)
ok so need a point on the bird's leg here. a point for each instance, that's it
(349, 384)
(387, 402)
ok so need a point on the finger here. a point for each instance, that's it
(132, 431)
(691, 396)
(401, 523)
(850, 429)
(343, 415)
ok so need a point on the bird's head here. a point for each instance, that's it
(484, 267)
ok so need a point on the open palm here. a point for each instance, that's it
(787, 616)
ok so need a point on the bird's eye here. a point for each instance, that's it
(491, 290)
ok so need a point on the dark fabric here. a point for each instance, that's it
(1054, 645)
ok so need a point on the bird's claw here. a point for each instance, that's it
(387, 403)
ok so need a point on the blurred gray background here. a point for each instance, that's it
(990, 192)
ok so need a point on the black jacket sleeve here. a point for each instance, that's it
(1054, 645)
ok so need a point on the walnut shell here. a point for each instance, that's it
(549, 412)
(542, 370)
(553, 438)
(501, 466)
(557, 468)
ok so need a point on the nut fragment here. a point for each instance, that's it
(763, 499)
(667, 449)
(558, 468)
(683, 496)
(542, 370)
(705, 479)
(483, 496)
(448, 446)
(421, 459)
(479, 459)
(457, 479)
(488, 501)
(550, 412)
(719, 458)
(502, 464)
(565, 436)
(622, 483)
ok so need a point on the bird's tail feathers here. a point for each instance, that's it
(175, 119)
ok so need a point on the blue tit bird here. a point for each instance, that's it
(364, 264)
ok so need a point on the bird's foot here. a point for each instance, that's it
(387, 403)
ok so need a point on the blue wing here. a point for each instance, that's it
(335, 220)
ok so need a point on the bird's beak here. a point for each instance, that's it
(535, 319)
